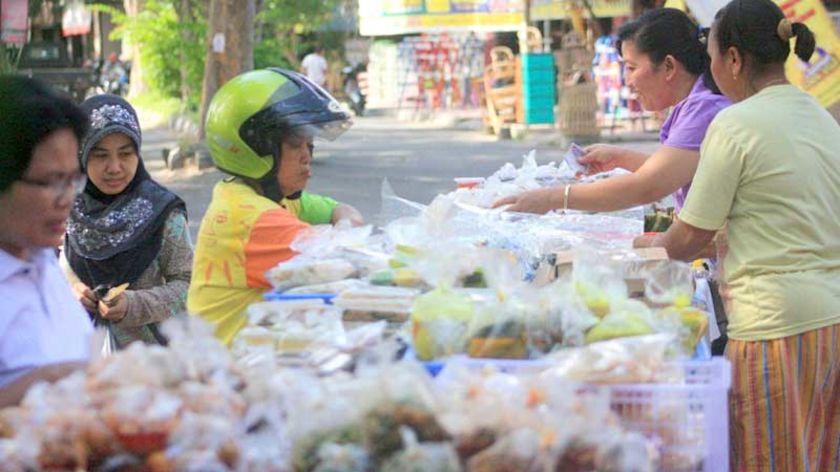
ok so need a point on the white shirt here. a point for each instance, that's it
(41, 322)
(316, 68)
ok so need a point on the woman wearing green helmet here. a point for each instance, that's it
(260, 128)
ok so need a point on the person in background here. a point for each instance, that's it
(770, 174)
(125, 228)
(260, 130)
(44, 332)
(314, 66)
(666, 65)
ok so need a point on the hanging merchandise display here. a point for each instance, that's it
(428, 72)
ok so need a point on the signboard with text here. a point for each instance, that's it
(391, 17)
(559, 9)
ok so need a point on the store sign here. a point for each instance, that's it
(559, 9)
(821, 75)
(13, 16)
(390, 17)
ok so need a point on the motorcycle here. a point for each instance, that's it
(112, 78)
(352, 89)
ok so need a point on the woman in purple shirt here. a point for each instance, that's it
(666, 65)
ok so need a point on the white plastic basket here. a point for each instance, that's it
(689, 422)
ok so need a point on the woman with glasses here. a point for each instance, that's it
(770, 173)
(43, 330)
(665, 65)
(125, 228)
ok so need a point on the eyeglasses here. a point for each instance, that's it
(58, 188)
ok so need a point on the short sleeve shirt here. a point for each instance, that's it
(311, 208)
(770, 172)
(316, 68)
(41, 322)
(686, 126)
(242, 235)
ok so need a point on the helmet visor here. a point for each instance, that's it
(298, 106)
(329, 130)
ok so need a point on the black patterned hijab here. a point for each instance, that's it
(112, 239)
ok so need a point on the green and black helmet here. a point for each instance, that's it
(251, 113)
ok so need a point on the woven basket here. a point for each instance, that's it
(577, 114)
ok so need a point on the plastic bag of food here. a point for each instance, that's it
(374, 303)
(627, 318)
(421, 456)
(142, 418)
(518, 451)
(638, 359)
(342, 458)
(499, 327)
(607, 450)
(293, 326)
(302, 270)
(439, 323)
(599, 282)
(329, 287)
(440, 317)
(671, 286)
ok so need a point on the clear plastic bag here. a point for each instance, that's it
(303, 270)
(639, 359)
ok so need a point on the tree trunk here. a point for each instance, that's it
(233, 20)
(137, 85)
(185, 15)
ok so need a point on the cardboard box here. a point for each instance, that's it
(633, 263)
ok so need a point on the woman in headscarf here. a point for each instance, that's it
(125, 228)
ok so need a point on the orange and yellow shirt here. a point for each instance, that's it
(242, 235)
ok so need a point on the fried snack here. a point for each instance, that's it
(381, 428)
(114, 292)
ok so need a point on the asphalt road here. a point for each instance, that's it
(419, 160)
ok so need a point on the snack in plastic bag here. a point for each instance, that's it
(517, 451)
(439, 323)
(308, 271)
(383, 428)
(374, 303)
(637, 359)
(342, 458)
(422, 457)
(503, 341)
(329, 287)
(631, 318)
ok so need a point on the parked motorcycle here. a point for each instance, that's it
(353, 91)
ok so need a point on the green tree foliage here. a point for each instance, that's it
(284, 30)
(158, 30)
